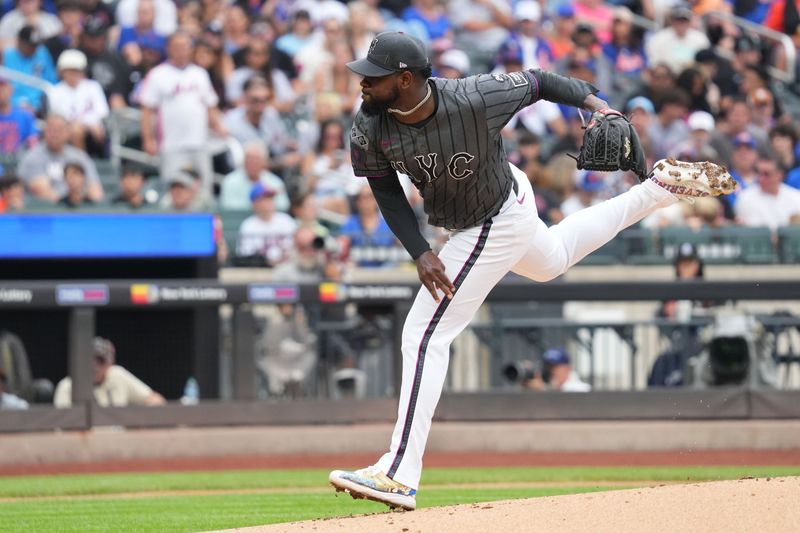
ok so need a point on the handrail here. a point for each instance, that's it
(787, 76)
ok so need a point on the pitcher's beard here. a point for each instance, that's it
(377, 106)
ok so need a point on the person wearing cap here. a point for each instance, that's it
(236, 186)
(698, 146)
(82, 102)
(557, 374)
(446, 136)
(677, 44)
(28, 12)
(562, 28)
(589, 185)
(743, 162)
(18, 129)
(105, 65)
(114, 386)
(771, 202)
(42, 167)
(267, 233)
(453, 64)
(179, 112)
(31, 58)
(535, 50)
(186, 194)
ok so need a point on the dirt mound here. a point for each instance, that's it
(757, 505)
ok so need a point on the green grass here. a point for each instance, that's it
(87, 484)
(203, 513)
(77, 511)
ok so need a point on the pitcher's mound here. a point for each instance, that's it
(759, 505)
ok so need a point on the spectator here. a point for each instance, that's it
(179, 95)
(625, 53)
(304, 211)
(300, 35)
(328, 171)
(745, 157)
(560, 38)
(82, 102)
(12, 194)
(114, 386)
(217, 63)
(333, 77)
(370, 240)
(783, 140)
(557, 374)
(130, 37)
(10, 401)
(738, 119)
(105, 66)
(693, 83)
(308, 261)
(186, 193)
(256, 119)
(453, 64)
(669, 129)
(75, 178)
(165, 19)
(431, 16)
(259, 60)
(641, 113)
(236, 186)
(266, 233)
(762, 104)
(18, 129)
(28, 12)
(70, 14)
(677, 44)
(42, 167)
(366, 21)
(235, 26)
(480, 27)
(697, 147)
(590, 185)
(772, 203)
(597, 15)
(536, 52)
(131, 188)
(31, 58)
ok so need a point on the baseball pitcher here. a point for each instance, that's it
(445, 135)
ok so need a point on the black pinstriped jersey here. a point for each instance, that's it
(455, 157)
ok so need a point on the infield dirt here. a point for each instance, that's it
(763, 505)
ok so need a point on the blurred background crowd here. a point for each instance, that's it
(243, 108)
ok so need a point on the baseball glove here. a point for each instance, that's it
(610, 142)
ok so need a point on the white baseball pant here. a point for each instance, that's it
(475, 260)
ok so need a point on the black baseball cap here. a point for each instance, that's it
(391, 52)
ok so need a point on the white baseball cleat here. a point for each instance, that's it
(692, 180)
(372, 484)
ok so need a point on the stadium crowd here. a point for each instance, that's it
(267, 81)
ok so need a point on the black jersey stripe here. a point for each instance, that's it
(426, 338)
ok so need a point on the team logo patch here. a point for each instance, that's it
(518, 79)
(498, 77)
(359, 138)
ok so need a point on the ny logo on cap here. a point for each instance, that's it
(372, 45)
